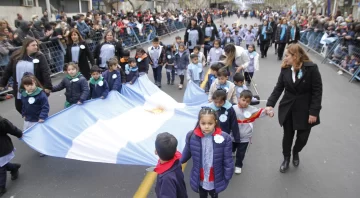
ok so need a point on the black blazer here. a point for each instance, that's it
(297, 35)
(6, 127)
(118, 51)
(41, 71)
(214, 32)
(301, 99)
(201, 35)
(84, 57)
(269, 32)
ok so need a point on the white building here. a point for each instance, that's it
(27, 8)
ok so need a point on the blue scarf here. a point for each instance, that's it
(283, 31)
(264, 32)
(293, 33)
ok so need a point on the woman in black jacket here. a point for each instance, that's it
(27, 59)
(7, 152)
(210, 32)
(282, 37)
(265, 32)
(193, 35)
(78, 51)
(294, 32)
(108, 49)
(300, 106)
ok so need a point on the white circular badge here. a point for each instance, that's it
(114, 76)
(247, 114)
(31, 100)
(251, 56)
(36, 60)
(139, 59)
(217, 51)
(212, 27)
(75, 80)
(169, 56)
(101, 83)
(82, 46)
(223, 118)
(127, 72)
(188, 31)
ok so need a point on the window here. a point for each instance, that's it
(28, 2)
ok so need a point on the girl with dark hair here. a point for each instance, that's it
(78, 51)
(210, 33)
(108, 49)
(27, 59)
(193, 35)
(300, 106)
(211, 151)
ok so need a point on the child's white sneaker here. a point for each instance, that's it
(237, 170)
(180, 86)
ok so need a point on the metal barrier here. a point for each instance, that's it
(334, 51)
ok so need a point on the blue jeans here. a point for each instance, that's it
(157, 74)
(170, 75)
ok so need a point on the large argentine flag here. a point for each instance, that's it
(120, 129)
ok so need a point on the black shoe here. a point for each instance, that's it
(275, 52)
(296, 159)
(285, 164)
(2, 191)
(172, 82)
(265, 55)
(262, 56)
(15, 173)
(279, 58)
(168, 82)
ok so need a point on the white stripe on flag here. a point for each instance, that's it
(102, 141)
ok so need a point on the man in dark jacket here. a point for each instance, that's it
(22, 32)
(7, 152)
(170, 181)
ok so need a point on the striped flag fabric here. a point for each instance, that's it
(120, 129)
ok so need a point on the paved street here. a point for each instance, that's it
(329, 164)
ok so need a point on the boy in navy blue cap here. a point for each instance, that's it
(170, 180)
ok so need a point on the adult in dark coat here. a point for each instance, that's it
(300, 106)
(22, 32)
(265, 32)
(273, 24)
(193, 35)
(78, 47)
(282, 37)
(108, 46)
(294, 32)
(31, 60)
(210, 32)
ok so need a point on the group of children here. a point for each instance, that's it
(236, 34)
(223, 130)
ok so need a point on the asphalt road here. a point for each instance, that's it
(329, 163)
